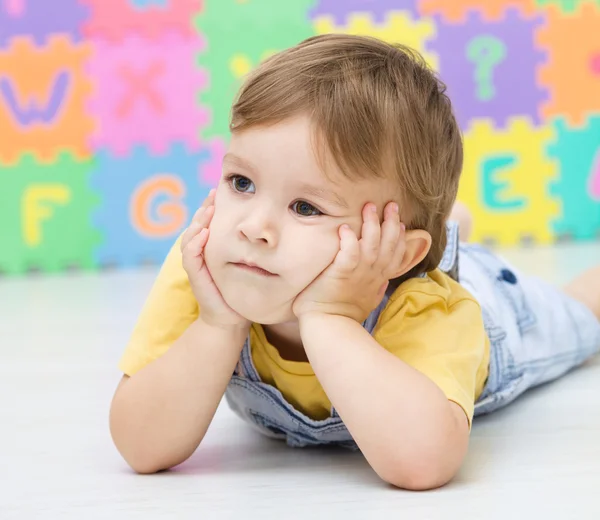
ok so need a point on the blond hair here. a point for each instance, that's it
(380, 110)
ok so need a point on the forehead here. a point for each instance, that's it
(287, 152)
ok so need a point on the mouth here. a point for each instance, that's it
(253, 268)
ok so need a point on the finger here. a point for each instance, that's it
(208, 203)
(210, 198)
(370, 235)
(348, 257)
(201, 220)
(192, 230)
(195, 248)
(390, 232)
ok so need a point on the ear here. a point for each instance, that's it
(418, 244)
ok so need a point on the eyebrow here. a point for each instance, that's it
(322, 193)
(239, 161)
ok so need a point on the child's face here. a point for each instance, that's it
(275, 208)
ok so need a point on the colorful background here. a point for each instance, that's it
(114, 113)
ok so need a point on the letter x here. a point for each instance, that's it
(141, 85)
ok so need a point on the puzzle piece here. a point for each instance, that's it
(577, 150)
(45, 214)
(570, 74)
(456, 11)
(489, 67)
(505, 182)
(398, 27)
(146, 93)
(117, 19)
(39, 19)
(42, 97)
(146, 4)
(249, 29)
(147, 202)
(567, 6)
(213, 168)
(377, 9)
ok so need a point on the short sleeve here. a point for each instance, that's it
(446, 342)
(169, 310)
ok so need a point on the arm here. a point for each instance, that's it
(409, 432)
(159, 416)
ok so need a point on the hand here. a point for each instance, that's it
(213, 308)
(355, 282)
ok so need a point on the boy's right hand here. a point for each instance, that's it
(213, 308)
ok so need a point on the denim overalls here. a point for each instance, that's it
(523, 354)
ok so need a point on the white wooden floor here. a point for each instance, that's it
(61, 337)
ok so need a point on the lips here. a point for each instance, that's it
(253, 268)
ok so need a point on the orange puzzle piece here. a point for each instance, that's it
(491, 10)
(43, 91)
(572, 74)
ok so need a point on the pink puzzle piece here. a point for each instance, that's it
(595, 64)
(115, 19)
(595, 178)
(15, 8)
(146, 92)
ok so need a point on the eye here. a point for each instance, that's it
(240, 183)
(304, 209)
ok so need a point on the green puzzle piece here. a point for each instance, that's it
(577, 151)
(567, 6)
(239, 34)
(45, 215)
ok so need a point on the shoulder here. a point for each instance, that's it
(434, 294)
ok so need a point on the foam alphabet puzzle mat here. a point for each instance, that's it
(114, 113)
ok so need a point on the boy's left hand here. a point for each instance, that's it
(355, 282)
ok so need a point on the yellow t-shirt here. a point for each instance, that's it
(433, 324)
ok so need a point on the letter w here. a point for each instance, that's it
(31, 113)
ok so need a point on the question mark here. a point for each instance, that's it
(486, 52)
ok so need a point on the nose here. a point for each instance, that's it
(259, 227)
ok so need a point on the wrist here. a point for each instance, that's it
(235, 333)
(315, 319)
(318, 315)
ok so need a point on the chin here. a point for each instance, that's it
(260, 312)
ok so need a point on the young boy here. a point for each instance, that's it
(322, 288)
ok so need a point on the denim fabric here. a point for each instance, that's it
(536, 334)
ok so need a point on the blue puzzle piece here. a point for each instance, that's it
(145, 4)
(147, 201)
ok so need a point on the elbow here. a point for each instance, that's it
(421, 469)
(139, 459)
(416, 477)
(135, 450)
(144, 467)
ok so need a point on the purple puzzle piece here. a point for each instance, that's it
(490, 67)
(40, 18)
(340, 9)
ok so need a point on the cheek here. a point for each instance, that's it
(314, 251)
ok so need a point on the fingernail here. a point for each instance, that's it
(372, 208)
(395, 207)
(402, 227)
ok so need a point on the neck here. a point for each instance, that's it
(285, 337)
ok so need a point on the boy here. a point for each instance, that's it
(322, 273)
